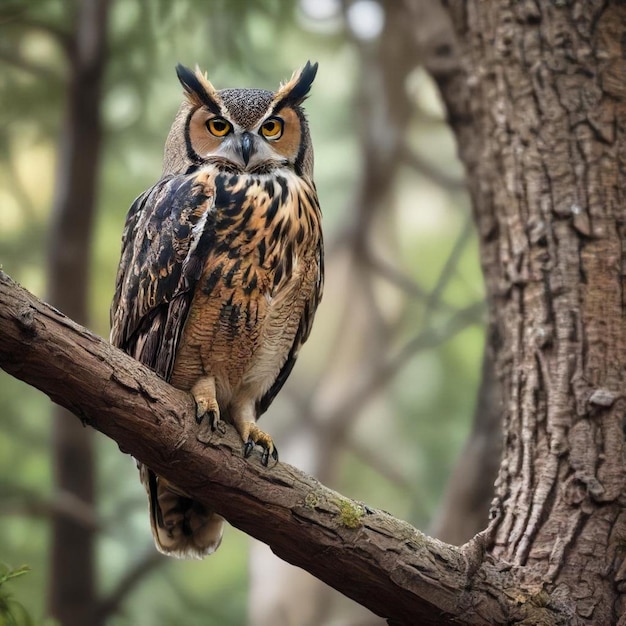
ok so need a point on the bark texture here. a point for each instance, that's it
(379, 561)
(539, 108)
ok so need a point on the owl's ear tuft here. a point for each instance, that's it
(296, 89)
(198, 89)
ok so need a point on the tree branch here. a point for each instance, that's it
(9, 57)
(66, 504)
(128, 582)
(381, 562)
(430, 171)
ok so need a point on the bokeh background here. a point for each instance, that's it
(383, 395)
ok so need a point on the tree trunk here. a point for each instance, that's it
(539, 109)
(72, 594)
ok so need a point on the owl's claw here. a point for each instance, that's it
(206, 405)
(199, 413)
(208, 411)
(256, 437)
(247, 448)
(265, 459)
(214, 419)
(265, 455)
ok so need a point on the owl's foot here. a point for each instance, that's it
(203, 393)
(253, 435)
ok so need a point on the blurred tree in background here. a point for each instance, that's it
(382, 398)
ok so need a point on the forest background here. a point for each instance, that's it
(382, 398)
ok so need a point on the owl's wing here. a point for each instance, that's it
(302, 334)
(165, 244)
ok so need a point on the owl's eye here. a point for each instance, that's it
(218, 126)
(272, 128)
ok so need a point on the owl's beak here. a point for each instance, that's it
(247, 147)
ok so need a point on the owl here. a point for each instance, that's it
(221, 272)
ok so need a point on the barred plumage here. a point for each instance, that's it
(221, 272)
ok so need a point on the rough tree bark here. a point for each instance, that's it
(72, 589)
(539, 108)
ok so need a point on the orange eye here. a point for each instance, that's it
(272, 128)
(219, 127)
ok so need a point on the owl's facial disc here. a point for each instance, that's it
(272, 142)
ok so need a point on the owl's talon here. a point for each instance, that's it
(213, 419)
(248, 448)
(254, 436)
(203, 393)
(212, 416)
(199, 414)
(265, 458)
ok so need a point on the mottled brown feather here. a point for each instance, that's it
(211, 246)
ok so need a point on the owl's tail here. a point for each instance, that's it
(181, 527)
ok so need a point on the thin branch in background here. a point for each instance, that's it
(381, 330)
(133, 577)
(449, 269)
(394, 276)
(124, 508)
(380, 376)
(357, 252)
(65, 504)
(350, 249)
(379, 463)
(9, 57)
(427, 169)
(460, 320)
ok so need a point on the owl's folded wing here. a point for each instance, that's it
(165, 244)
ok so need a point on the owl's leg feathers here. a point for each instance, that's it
(203, 393)
(251, 434)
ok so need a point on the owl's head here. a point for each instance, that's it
(241, 130)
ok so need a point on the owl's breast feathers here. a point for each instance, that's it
(220, 272)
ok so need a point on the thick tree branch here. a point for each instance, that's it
(379, 561)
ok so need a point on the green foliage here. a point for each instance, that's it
(12, 612)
